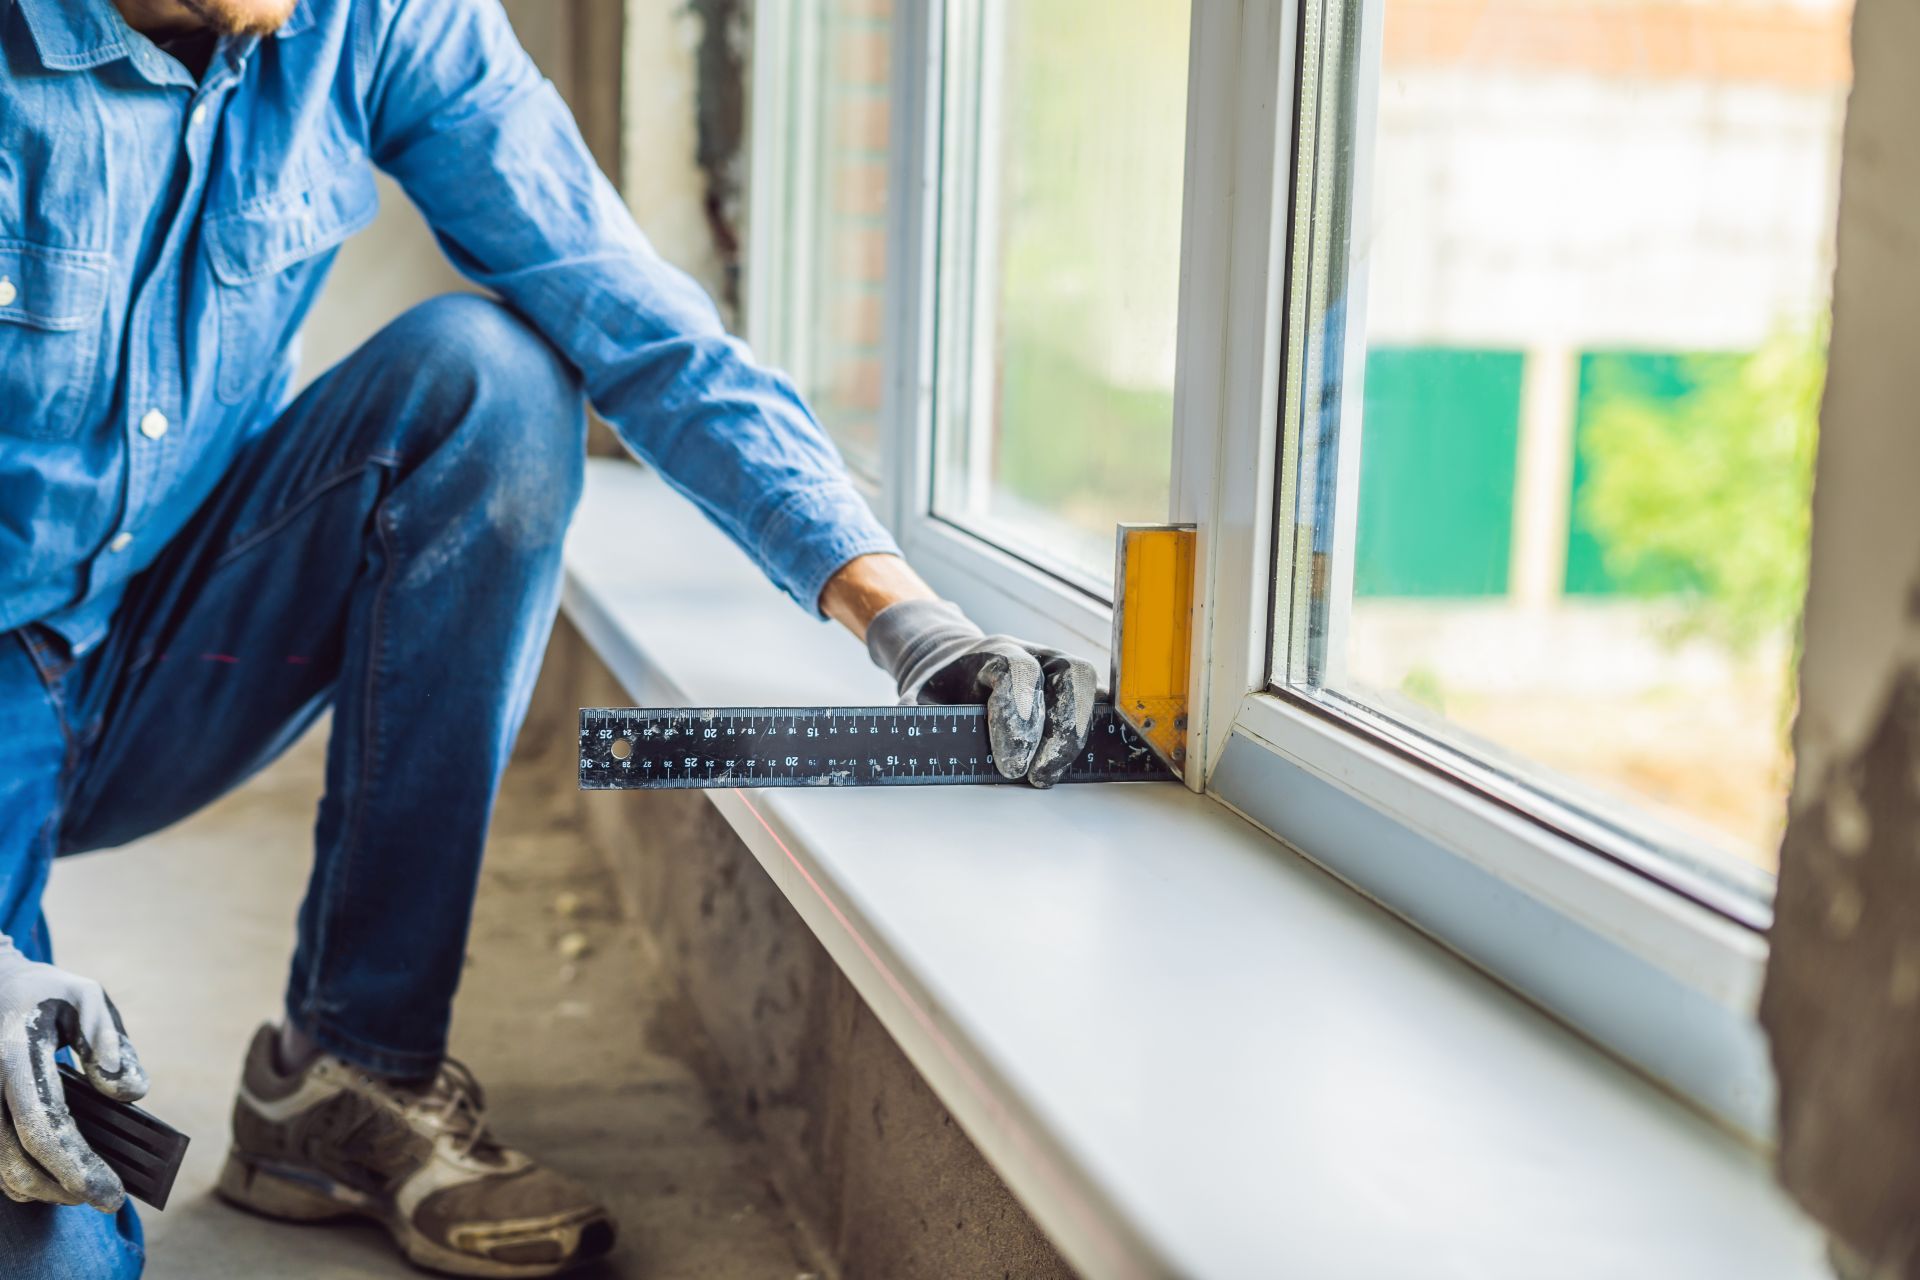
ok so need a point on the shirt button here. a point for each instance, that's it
(199, 115)
(7, 292)
(121, 541)
(154, 425)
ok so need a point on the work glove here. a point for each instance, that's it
(42, 1010)
(1039, 701)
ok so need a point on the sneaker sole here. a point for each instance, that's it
(290, 1196)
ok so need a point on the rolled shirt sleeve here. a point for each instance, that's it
(459, 115)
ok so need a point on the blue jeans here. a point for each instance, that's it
(390, 547)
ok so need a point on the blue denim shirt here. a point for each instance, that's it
(161, 241)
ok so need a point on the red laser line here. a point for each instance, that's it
(995, 1107)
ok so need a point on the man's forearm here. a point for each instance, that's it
(865, 585)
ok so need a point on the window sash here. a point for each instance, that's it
(1331, 181)
(1332, 170)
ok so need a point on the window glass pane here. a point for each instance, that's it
(843, 229)
(1059, 277)
(1557, 338)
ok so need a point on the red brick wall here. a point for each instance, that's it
(851, 251)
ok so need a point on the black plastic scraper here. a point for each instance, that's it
(145, 1151)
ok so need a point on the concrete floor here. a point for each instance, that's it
(191, 930)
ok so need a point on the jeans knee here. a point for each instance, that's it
(481, 347)
(533, 492)
(520, 406)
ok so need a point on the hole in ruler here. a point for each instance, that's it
(622, 748)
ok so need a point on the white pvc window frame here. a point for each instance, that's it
(944, 115)
(1660, 979)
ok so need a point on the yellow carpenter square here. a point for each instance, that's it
(1152, 633)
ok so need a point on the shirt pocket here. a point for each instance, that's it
(51, 302)
(264, 266)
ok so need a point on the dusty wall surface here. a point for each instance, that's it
(721, 128)
(670, 145)
(863, 1152)
(1842, 1001)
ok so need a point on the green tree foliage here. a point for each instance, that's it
(1705, 496)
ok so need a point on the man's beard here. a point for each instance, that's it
(242, 17)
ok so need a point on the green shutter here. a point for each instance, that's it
(1437, 458)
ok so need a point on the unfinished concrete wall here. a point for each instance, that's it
(668, 155)
(862, 1151)
(1842, 1001)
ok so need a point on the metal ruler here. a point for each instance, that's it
(683, 748)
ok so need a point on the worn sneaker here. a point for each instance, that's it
(329, 1141)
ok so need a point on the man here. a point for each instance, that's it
(194, 564)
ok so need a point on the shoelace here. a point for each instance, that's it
(462, 1109)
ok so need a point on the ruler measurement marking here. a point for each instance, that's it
(901, 746)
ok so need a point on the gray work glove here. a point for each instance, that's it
(42, 1010)
(1039, 701)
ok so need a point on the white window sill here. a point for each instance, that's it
(1189, 1052)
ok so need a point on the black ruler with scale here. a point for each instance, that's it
(687, 748)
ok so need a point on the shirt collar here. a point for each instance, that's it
(73, 35)
(299, 20)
